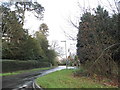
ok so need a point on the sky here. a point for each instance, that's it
(57, 15)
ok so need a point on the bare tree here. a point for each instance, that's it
(54, 45)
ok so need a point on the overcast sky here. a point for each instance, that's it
(56, 14)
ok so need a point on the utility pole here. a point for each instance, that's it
(65, 52)
(119, 7)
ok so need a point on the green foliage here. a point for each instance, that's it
(44, 29)
(51, 54)
(96, 33)
(42, 41)
(79, 71)
(17, 43)
(15, 65)
(33, 49)
(35, 7)
(48, 54)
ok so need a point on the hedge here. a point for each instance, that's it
(14, 65)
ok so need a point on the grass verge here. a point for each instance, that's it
(22, 71)
(66, 79)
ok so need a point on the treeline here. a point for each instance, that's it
(17, 44)
(98, 42)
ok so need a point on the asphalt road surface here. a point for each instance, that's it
(26, 80)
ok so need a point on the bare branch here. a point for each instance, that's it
(103, 53)
(70, 36)
(74, 24)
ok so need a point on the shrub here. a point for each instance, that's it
(107, 68)
(14, 65)
(81, 72)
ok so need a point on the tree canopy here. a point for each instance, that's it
(17, 44)
(98, 42)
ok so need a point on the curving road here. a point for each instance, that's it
(26, 80)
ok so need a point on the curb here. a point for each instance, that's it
(36, 86)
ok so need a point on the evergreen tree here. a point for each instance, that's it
(98, 42)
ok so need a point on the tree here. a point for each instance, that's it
(51, 54)
(22, 7)
(15, 39)
(12, 33)
(33, 49)
(85, 38)
(96, 44)
(43, 43)
(44, 29)
(55, 46)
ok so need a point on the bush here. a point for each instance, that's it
(107, 68)
(14, 65)
(81, 72)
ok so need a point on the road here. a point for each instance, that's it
(26, 80)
